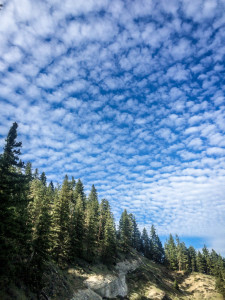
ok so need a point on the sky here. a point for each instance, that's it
(128, 96)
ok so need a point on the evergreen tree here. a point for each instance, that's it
(220, 283)
(41, 240)
(156, 248)
(77, 229)
(206, 260)
(109, 241)
(104, 209)
(91, 225)
(136, 235)
(37, 194)
(61, 224)
(43, 178)
(125, 231)
(145, 244)
(79, 191)
(36, 174)
(192, 259)
(182, 255)
(171, 253)
(14, 222)
(200, 263)
(51, 185)
(28, 171)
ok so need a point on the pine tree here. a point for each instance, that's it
(145, 244)
(136, 235)
(182, 255)
(77, 230)
(156, 248)
(61, 224)
(220, 283)
(41, 240)
(51, 185)
(171, 253)
(14, 222)
(91, 225)
(104, 209)
(36, 174)
(43, 178)
(79, 191)
(125, 231)
(28, 171)
(206, 260)
(109, 240)
(200, 263)
(37, 194)
(192, 259)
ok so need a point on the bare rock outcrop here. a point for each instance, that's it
(110, 285)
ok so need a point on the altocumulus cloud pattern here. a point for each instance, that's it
(126, 95)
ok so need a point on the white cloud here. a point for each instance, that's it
(116, 94)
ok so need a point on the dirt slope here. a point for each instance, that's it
(153, 281)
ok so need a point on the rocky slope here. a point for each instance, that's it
(153, 281)
(133, 277)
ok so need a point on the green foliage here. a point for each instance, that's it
(182, 255)
(79, 191)
(77, 229)
(220, 284)
(125, 231)
(91, 225)
(14, 223)
(156, 248)
(171, 253)
(145, 244)
(192, 259)
(136, 235)
(109, 240)
(43, 178)
(61, 224)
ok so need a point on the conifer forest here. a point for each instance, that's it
(42, 222)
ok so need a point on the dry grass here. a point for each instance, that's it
(153, 281)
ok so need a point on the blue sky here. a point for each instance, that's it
(126, 95)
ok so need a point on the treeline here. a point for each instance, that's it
(40, 223)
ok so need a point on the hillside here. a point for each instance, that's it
(133, 277)
(154, 281)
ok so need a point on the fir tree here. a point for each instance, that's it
(14, 222)
(43, 178)
(206, 260)
(145, 244)
(104, 209)
(182, 255)
(136, 235)
(51, 185)
(77, 230)
(41, 241)
(36, 174)
(109, 240)
(192, 259)
(79, 191)
(91, 225)
(156, 248)
(61, 225)
(28, 171)
(200, 262)
(125, 231)
(171, 253)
